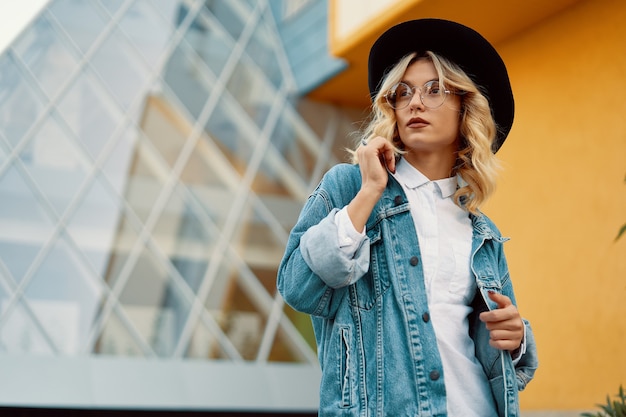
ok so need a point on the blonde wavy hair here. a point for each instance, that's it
(476, 164)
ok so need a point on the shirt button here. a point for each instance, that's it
(434, 375)
(426, 317)
(397, 200)
(414, 261)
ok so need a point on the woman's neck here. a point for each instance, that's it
(435, 166)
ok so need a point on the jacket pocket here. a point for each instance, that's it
(365, 292)
(345, 366)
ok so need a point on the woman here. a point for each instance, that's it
(405, 279)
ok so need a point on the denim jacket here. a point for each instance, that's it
(376, 344)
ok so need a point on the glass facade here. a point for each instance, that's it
(154, 155)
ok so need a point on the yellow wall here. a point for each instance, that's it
(562, 199)
(562, 194)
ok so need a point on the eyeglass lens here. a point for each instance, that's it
(431, 94)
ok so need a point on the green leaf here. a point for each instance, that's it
(621, 232)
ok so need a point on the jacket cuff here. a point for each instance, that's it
(517, 354)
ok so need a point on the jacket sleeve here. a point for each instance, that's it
(314, 273)
(322, 251)
(527, 364)
(299, 286)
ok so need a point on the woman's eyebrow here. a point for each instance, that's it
(413, 85)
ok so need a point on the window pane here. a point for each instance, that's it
(20, 333)
(24, 225)
(262, 50)
(231, 15)
(234, 135)
(187, 82)
(55, 163)
(80, 20)
(111, 6)
(147, 31)
(90, 112)
(66, 290)
(252, 92)
(122, 71)
(212, 45)
(19, 105)
(44, 51)
(94, 226)
(154, 302)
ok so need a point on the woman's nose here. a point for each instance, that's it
(416, 101)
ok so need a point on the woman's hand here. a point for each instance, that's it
(505, 324)
(375, 158)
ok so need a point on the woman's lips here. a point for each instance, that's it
(417, 122)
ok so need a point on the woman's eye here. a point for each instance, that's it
(433, 89)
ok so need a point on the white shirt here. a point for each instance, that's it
(444, 231)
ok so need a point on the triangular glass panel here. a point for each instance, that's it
(263, 53)
(20, 106)
(235, 135)
(112, 6)
(6, 285)
(142, 176)
(208, 341)
(302, 323)
(293, 157)
(124, 243)
(24, 225)
(170, 11)
(22, 333)
(44, 50)
(259, 239)
(165, 127)
(188, 85)
(119, 160)
(186, 236)
(123, 72)
(293, 339)
(55, 163)
(256, 102)
(80, 20)
(3, 155)
(89, 111)
(117, 339)
(67, 290)
(94, 225)
(155, 300)
(242, 312)
(231, 15)
(147, 31)
(209, 39)
(214, 320)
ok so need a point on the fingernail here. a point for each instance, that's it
(491, 292)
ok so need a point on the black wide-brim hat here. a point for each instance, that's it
(459, 44)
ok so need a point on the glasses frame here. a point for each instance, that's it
(446, 93)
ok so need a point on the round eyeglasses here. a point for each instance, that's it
(431, 94)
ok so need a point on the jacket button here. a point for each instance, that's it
(414, 261)
(397, 200)
(426, 317)
(434, 375)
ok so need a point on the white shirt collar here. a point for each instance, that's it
(412, 178)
